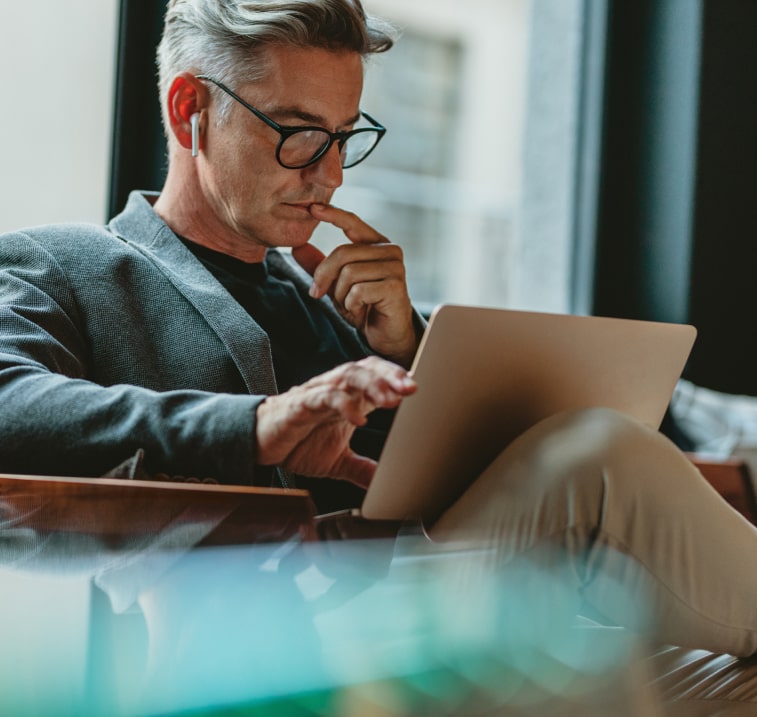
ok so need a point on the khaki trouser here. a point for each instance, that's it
(602, 489)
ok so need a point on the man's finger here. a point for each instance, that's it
(355, 262)
(354, 228)
(379, 379)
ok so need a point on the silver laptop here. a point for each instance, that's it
(487, 375)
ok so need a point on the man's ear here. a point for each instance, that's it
(187, 96)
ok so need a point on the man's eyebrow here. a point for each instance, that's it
(282, 114)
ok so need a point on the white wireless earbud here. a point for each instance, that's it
(194, 120)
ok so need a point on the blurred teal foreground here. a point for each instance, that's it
(305, 629)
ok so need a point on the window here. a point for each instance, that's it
(475, 177)
(59, 65)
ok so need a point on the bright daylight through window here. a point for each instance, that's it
(474, 178)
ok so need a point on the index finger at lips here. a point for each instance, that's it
(354, 228)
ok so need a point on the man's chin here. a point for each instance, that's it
(293, 238)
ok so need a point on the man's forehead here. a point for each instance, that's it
(300, 62)
(311, 85)
(297, 112)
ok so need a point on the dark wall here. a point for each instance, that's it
(138, 152)
(723, 301)
(648, 160)
(677, 218)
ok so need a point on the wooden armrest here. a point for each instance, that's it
(116, 509)
(730, 478)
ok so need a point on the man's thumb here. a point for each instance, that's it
(308, 257)
(356, 469)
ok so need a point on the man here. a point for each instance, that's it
(180, 332)
(216, 203)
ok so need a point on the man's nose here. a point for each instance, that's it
(327, 171)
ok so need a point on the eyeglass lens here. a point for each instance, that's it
(299, 149)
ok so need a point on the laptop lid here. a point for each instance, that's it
(486, 375)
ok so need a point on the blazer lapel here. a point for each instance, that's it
(247, 343)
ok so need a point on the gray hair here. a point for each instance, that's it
(227, 39)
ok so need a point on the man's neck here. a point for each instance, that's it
(183, 208)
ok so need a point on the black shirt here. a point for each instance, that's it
(304, 344)
(303, 340)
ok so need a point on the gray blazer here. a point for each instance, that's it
(114, 339)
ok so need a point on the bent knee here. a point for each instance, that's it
(588, 433)
(588, 444)
(606, 430)
(629, 455)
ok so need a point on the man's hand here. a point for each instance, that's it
(307, 430)
(366, 281)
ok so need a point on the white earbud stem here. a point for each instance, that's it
(194, 120)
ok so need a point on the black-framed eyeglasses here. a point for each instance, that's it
(302, 146)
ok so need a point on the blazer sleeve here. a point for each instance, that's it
(54, 421)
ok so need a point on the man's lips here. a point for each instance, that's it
(300, 206)
(303, 207)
